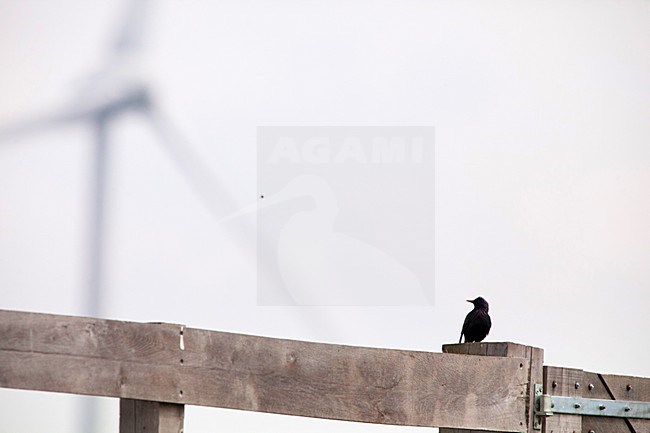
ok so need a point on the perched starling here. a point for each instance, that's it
(477, 323)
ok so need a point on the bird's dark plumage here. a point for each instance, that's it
(477, 323)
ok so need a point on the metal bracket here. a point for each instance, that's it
(547, 405)
(542, 407)
(598, 407)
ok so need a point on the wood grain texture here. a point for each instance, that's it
(561, 381)
(593, 385)
(536, 375)
(504, 349)
(89, 337)
(630, 388)
(603, 385)
(173, 364)
(138, 416)
(535, 362)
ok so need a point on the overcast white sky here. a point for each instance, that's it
(542, 170)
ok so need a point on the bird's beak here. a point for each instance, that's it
(470, 301)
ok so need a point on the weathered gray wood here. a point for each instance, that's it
(536, 375)
(630, 388)
(502, 349)
(89, 337)
(639, 390)
(561, 381)
(169, 363)
(138, 416)
(535, 362)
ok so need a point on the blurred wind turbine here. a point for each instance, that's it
(114, 90)
(104, 97)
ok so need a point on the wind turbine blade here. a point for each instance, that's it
(190, 165)
(130, 34)
(243, 211)
(219, 201)
(207, 187)
(42, 123)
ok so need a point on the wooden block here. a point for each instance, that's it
(139, 416)
(534, 364)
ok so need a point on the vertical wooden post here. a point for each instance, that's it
(535, 358)
(139, 416)
(565, 382)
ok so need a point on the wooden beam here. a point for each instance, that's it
(138, 416)
(535, 362)
(173, 364)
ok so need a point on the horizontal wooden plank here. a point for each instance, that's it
(90, 337)
(628, 387)
(152, 362)
(608, 386)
